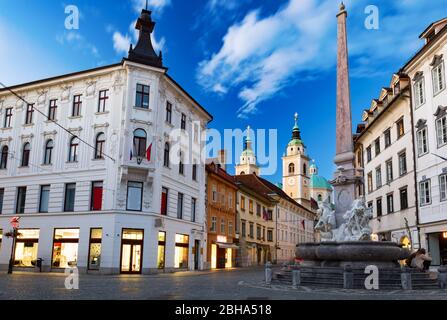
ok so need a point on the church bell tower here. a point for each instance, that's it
(295, 164)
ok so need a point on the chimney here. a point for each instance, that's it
(222, 159)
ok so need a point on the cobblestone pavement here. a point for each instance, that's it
(240, 284)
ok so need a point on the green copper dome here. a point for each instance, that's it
(319, 182)
(295, 142)
(248, 152)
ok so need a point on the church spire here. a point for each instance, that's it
(296, 134)
(144, 51)
(248, 139)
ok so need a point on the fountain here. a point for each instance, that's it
(346, 248)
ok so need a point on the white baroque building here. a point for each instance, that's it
(95, 174)
(426, 70)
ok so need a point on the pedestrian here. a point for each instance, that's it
(421, 260)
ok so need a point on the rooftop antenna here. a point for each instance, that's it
(146, 5)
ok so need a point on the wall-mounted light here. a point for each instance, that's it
(444, 235)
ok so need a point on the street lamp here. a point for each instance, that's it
(15, 226)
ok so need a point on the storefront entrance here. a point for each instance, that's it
(131, 251)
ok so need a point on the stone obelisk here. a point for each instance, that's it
(344, 178)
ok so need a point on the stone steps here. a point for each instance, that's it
(389, 279)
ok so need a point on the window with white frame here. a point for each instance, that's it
(424, 192)
(419, 93)
(438, 77)
(213, 226)
(443, 187)
(402, 163)
(441, 131)
(422, 142)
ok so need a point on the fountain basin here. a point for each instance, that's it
(383, 254)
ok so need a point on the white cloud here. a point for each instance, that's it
(121, 43)
(261, 55)
(156, 5)
(78, 42)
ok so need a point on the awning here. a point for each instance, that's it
(227, 245)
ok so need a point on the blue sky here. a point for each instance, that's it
(248, 62)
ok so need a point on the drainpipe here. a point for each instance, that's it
(416, 201)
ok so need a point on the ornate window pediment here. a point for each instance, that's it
(418, 76)
(437, 59)
(440, 112)
(421, 123)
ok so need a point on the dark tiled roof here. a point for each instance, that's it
(213, 168)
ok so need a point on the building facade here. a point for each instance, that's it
(255, 221)
(94, 169)
(429, 104)
(221, 218)
(384, 153)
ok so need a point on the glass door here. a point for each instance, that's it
(126, 254)
(136, 258)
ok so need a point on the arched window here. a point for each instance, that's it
(181, 165)
(291, 168)
(139, 142)
(73, 151)
(25, 154)
(166, 155)
(320, 197)
(48, 152)
(4, 157)
(305, 169)
(242, 172)
(99, 145)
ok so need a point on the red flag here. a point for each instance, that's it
(148, 152)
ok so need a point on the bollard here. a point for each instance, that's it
(296, 276)
(268, 273)
(348, 278)
(442, 277)
(405, 278)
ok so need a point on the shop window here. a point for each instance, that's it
(65, 248)
(181, 251)
(94, 256)
(26, 248)
(161, 250)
